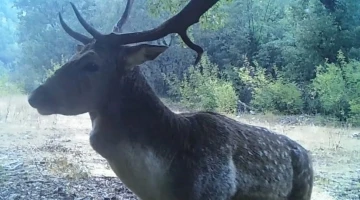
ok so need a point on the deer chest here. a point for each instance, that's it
(138, 167)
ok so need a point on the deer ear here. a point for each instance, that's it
(136, 55)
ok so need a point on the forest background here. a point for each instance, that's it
(285, 57)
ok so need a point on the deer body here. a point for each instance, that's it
(158, 154)
(166, 156)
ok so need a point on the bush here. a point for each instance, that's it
(279, 96)
(331, 89)
(337, 85)
(269, 94)
(354, 117)
(54, 66)
(8, 87)
(206, 90)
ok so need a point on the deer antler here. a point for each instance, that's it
(78, 36)
(84, 39)
(89, 29)
(179, 24)
(118, 26)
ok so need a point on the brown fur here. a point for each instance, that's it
(207, 155)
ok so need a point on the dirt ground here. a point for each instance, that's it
(51, 158)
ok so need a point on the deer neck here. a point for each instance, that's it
(133, 113)
(134, 133)
(133, 101)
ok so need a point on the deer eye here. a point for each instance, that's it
(91, 67)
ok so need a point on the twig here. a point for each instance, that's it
(44, 176)
(7, 111)
(247, 106)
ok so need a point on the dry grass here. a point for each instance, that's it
(58, 145)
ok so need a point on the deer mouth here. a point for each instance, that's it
(41, 100)
(46, 111)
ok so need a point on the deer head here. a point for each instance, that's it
(82, 84)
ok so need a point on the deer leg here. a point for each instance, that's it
(303, 175)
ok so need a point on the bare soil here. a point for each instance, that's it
(51, 158)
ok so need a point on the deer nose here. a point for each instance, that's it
(38, 97)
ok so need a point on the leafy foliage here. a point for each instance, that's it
(8, 87)
(54, 66)
(292, 48)
(337, 85)
(41, 37)
(270, 94)
(8, 21)
(204, 90)
(212, 19)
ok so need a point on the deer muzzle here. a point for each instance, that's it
(43, 101)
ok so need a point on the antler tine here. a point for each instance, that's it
(87, 26)
(179, 24)
(82, 38)
(118, 26)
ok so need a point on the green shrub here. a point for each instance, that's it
(225, 97)
(54, 66)
(206, 90)
(269, 94)
(337, 85)
(279, 96)
(331, 89)
(8, 87)
(354, 117)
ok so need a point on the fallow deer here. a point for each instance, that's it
(156, 153)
